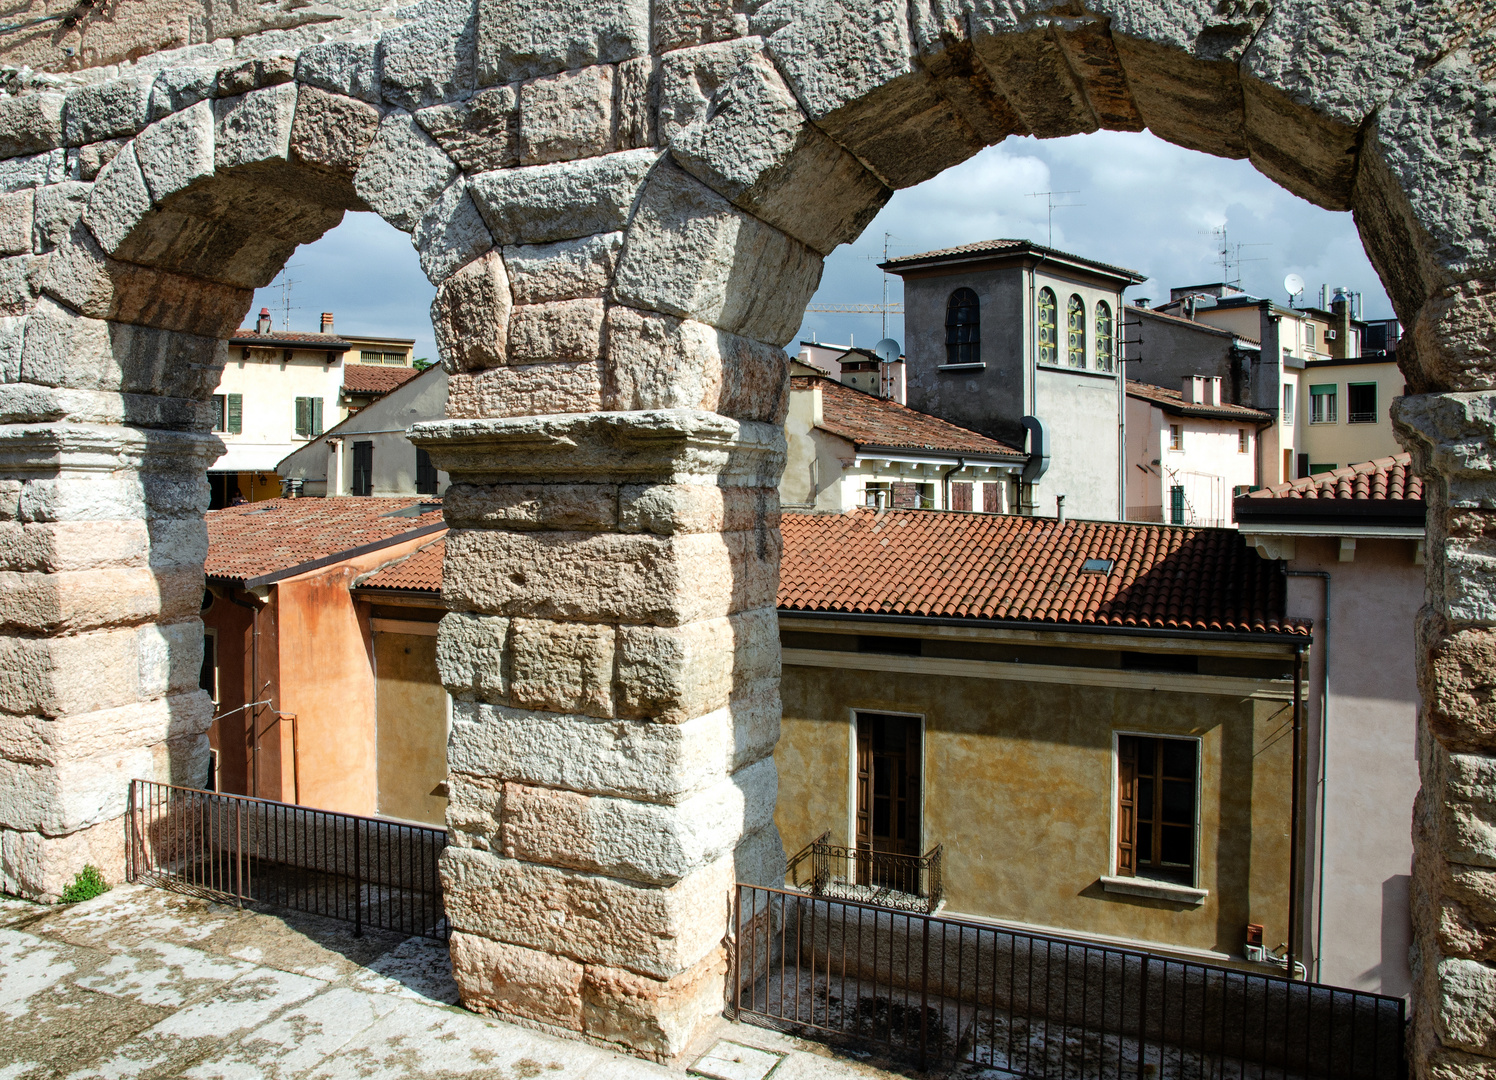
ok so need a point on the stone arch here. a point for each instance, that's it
(625, 207)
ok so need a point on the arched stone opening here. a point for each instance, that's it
(625, 209)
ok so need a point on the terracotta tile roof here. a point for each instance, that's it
(1172, 401)
(1024, 569)
(1388, 479)
(422, 572)
(255, 539)
(280, 339)
(372, 379)
(866, 420)
(1193, 324)
(1002, 247)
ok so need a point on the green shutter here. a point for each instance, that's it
(236, 414)
(303, 416)
(316, 416)
(1322, 388)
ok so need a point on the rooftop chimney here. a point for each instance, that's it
(1142, 301)
(263, 326)
(1201, 389)
(327, 322)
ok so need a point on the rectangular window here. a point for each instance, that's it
(363, 468)
(888, 791)
(1361, 403)
(425, 473)
(235, 409)
(877, 494)
(1309, 334)
(375, 356)
(308, 417)
(908, 496)
(220, 412)
(1288, 404)
(1287, 465)
(1322, 403)
(1176, 504)
(1321, 467)
(960, 496)
(1176, 436)
(1157, 793)
(1243, 441)
(208, 679)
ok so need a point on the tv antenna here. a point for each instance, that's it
(883, 308)
(287, 282)
(1049, 197)
(1230, 256)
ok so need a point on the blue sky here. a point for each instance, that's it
(1144, 204)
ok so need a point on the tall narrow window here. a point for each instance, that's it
(363, 468)
(220, 412)
(1048, 327)
(962, 328)
(1106, 340)
(1176, 436)
(1288, 403)
(1176, 504)
(309, 417)
(1157, 791)
(1322, 404)
(1243, 441)
(1075, 322)
(1361, 403)
(425, 473)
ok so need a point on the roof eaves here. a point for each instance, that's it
(337, 557)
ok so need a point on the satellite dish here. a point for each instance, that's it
(887, 350)
(1293, 285)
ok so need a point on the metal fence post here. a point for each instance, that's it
(924, 994)
(358, 885)
(1143, 1021)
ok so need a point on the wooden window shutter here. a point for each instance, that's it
(1127, 794)
(316, 416)
(960, 496)
(303, 416)
(236, 414)
(991, 498)
(912, 799)
(864, 789)
(905, 496)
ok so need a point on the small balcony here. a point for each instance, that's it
(899, 882)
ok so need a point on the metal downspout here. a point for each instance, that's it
(1324, 736)
(945, 481)
(1293, 827)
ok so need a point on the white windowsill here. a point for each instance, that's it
(962, 367)
(1156, 890)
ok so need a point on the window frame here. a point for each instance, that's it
(1118, 734)
(1288, 396)
(1176, 438)
(355, 452)
(1106, 339)
(963, 337)
(220, 414)
(1243, 441)
(312, 428)
(1327, 392)
(210, 634)
(852, 770)
(1351, 413)
(428, 479)
(1075, 332)
(1051, 325)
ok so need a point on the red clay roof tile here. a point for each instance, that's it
(1025, 569)
(422, 572)
(368, 379)
(866, 420)
(1388, 479)
(254, 539)
(1173, 401)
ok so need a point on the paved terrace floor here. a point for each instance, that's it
(145, 983)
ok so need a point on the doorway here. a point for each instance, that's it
(888, 795)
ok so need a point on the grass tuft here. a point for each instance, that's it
(88, 883)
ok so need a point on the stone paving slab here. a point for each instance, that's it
(145, 984)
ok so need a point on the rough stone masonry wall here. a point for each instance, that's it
(625, 206)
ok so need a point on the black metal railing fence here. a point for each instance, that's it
(906, 882)
(936, 989)
(371, 872)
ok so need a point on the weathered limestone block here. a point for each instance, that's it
(176, 88)
(656, 1017)
(105, 110)
(759, 150)
(1451, 341)
(176, 152)
(667, 509)
(17, 215)
(82, 277)
(696, 22)
(528, 390)
(567, 116)
(849, 63)
(78, 545)
(662, 362)
(562, 270)
(638, 102)
(1457, 679)
(34, 171)
(58, 208)
(691, 253)
(560, 330)
(469, 655)
(30, 124)
(562, 201)
(347, 67)
(254, 127)
(1452, 437)
(403, 171)
(665, 581)
(331, 131)
(255, 74)
(587, 918)
(690, 80)
(470, 315)
(1466, 824)
(432, 57)
(533, 506)
(561, 667)
(88, 160)
(119, 201)
(41, 603)
(480, 134)
(21, 278)
(510, 980)
(1467, 913)
(63, 349)
(638, 841)
(451, 233)
(520, 39)
(1466, 1006)
(670, 674)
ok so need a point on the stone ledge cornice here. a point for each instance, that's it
(50, 448)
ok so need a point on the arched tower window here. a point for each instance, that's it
(1075, 322)
(962, 325)
(1106, 341)
(1048, 330)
